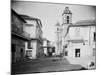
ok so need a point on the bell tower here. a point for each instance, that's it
(67, 16)
(58, 38)
(67, 20)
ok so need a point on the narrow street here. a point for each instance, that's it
(44, 65)
(46, 38)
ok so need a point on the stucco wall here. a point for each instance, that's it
(30, 29)
(86, 47)
(34, 49)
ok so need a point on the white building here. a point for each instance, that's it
(67, 21)
(78, 40)
(61, 31)
(34, 28)
(80, 44)
(46, 44)
(48, 48)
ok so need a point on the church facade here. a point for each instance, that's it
(61, 31)
(78, 40)
(80, 44)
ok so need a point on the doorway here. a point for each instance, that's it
(13, 52)
(21, 52)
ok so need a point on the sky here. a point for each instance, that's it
(51, 13)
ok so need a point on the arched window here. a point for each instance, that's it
(67, 21)
(67, 17)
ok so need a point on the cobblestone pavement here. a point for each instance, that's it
(44, 65)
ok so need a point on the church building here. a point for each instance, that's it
(78, 40)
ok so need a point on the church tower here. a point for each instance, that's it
(67, 16)
(67, 20)
(58, 38)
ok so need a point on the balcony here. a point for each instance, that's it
(19, 31)
(26, 34)
(16, 29)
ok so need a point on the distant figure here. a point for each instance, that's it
(91, 65)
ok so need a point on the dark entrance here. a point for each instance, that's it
(13, 51)
(21, 54)
(77, 52)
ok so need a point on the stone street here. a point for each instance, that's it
(51, 64)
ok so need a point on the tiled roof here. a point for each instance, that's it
(30, 18)
(14, 12)
(82, 23)
(85, 22)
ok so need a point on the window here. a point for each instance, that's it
(66, 53)
(67, 21)
(67, 17)
(29, 53)
(66, 46)
(94, 36)
(29, 45)
(21, 50)
(53, 49)
(77, 52)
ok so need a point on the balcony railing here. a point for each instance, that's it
(15, 29)
(19, 31)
